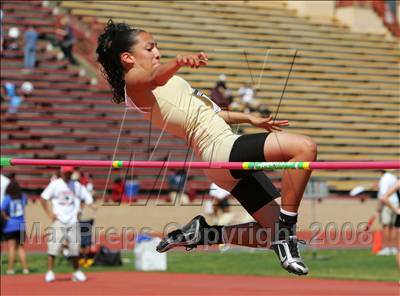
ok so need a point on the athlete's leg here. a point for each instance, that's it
(252, 234)
(291, 147)
(255, 234)
(256, 193)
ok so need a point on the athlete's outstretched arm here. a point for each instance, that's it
(267, 123)
(139, 79)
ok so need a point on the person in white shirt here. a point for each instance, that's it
(4, 181)
(221, 197)
(385, 199)
(246, 94)
(66, 196)
(220, 202)
(386, 216)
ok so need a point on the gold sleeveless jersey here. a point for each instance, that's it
(187, 113)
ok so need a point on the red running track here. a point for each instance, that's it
(141, 283)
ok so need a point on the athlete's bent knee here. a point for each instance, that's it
(309, 149)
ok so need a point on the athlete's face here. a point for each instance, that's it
(145, 52)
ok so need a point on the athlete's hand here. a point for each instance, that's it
(193, 60)
(268, 123)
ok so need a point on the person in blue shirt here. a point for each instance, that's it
(12, 97)
(132, 188)
(177, 180)
(13, 212)
(31, 38)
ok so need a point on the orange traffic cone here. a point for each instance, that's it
(377, 241)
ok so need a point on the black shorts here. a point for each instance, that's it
(86, 232)
(247, 148)
(254, 189)
(18, 236)
(397, 222)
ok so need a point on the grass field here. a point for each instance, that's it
(330, 264)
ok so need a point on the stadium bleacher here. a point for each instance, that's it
(68, 118)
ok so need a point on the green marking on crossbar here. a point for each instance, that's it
(5, 161)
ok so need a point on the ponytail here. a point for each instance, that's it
(116, 39)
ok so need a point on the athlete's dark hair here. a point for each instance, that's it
(116, 39)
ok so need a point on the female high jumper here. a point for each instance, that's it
(131, 63)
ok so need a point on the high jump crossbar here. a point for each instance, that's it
(315, 165)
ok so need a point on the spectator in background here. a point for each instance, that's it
(66, 196)
(86, 242)
(31, 37)
(395, 189)
(221, 94)
(27, 89)
(177, 182)
(392, 4)
(386, 216)
(84, 178)
(67, 40)
(12, 40)
(14, 101)
(1, 31)
(221, 203)
(117, 190)
(9, 89)
(247, 101)
(228, 91)
(390, 11)
(86, 220)
(13, 213)
(87, 180)
(131, 189)
(4, 181)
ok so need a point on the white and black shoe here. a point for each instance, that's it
(190, 236)
(79, 276)
(50, 276)
(289, 255)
